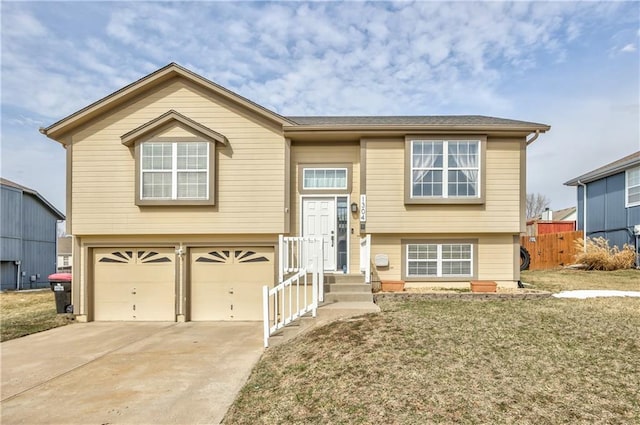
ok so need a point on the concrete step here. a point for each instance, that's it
(349, 287)
(343, 278)
(334, 297)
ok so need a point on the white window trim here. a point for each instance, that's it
(439, 261)
(346, 180)
(627, 188)
(174, 173)
(445, 170)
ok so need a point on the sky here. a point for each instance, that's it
(574, 66)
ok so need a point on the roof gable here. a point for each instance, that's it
(172, 70)
(168, 119)
(610, 169)
(54, 210)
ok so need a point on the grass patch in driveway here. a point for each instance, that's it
(418, 362)
(26, 312)
(569, 279)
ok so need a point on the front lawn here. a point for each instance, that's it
(568, 279)
(27, 312)
(551, 361)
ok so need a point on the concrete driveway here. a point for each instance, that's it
(127, 373)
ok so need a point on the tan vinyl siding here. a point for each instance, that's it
(329, 154)
(387, 212)
(250, 170)
(494, 257)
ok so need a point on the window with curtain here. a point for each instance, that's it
(174, 170)
(439, 260)
(445, 168)
(633, 187)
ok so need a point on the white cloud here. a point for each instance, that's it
(629, 48)
(322, 58)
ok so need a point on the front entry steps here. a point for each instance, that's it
(326, 313)
(346, 288)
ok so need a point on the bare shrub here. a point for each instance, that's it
(599, 256)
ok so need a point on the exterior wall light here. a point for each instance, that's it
(354, 207)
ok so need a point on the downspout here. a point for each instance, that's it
(533, 138)
(584, 213)
(18, 275)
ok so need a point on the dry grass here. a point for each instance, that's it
(599, 256)
(552, 361)
(24, 313)
(568, 279)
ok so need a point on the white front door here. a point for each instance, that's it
(319, 220)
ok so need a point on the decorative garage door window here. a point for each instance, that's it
(224, 257)
(127, 257)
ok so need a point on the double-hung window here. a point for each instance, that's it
(174, 171)
(444, 169)
(632, 192)
(434, 260)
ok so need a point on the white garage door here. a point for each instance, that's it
(134, 284)
(226, 283)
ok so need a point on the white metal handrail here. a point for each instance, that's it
(365, 258)
(297, 253)
(287, 302)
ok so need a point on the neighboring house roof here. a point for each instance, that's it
(563, 214)
(64, 245)
(608, 170)
(557, 215)
(58, 130)
(54, 210)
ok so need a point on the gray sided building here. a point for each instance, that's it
(28, 234)
(612, 201)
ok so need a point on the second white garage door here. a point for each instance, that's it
(226, 283)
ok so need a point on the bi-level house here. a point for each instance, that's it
(178, 191)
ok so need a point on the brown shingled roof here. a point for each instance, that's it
(444, 120)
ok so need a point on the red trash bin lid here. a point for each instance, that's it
(60, 277)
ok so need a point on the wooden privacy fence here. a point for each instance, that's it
(551, 250)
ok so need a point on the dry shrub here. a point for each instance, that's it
(599, 256)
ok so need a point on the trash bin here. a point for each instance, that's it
(61, 287)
